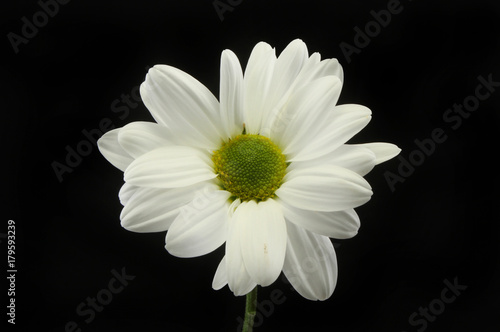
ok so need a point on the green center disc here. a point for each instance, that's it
(250, 167)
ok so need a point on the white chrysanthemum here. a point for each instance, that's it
(265, 169)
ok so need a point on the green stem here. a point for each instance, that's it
(250, 310)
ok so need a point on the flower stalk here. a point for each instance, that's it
(250, 310)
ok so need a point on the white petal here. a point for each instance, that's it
(327, 67)
(324, 188)
(337, 224)
(126, 191)
(382, 151)
(310, 263)
(201, 226)
(305, 113)
(335, 129)
(239, 281)
(314, 59)
(154, 210)
(176, 99)
(287, 67)
(312, 70)
(220, 278)
(355, 158)
(170, 167)
(263, 240)
(231, 94)
(112, 151)
(137, 138)
(257, 81)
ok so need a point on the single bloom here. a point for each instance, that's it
(264, 170)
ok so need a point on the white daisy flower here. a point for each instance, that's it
(265, 170)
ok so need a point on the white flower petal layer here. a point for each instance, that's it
(263, 239)
(288, 66)
(355, 158)
(327, 67)
(154, 210)
(175, 98)
(220, 278)
(324, 188)
(238, 279)
(310, 263)
(170, 167)
(312, 70)
(112, 151)
(382, 151)
(138, 138)
(336, 128)
(337, 224)
(258, 76)
(126, 192)
(305, 112)
(201, 226)
(231, 94)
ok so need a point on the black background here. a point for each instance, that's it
(440, 223)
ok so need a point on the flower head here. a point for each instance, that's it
(265, 169)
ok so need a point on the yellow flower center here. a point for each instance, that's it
(250, 167)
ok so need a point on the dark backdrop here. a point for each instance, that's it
(72, 75)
